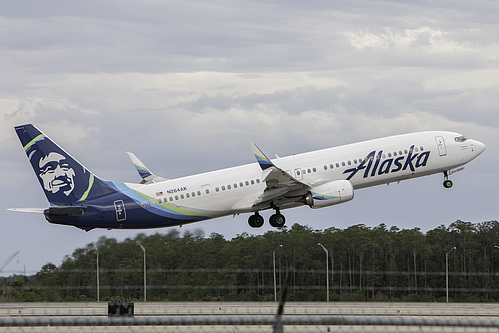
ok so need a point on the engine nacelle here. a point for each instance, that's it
(329, 194)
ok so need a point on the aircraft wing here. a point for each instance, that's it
(282, 188)
(147, 176)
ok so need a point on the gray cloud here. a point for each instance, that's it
(180, 83)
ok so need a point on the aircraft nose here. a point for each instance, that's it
(478, 146)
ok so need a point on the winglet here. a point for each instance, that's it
(147, 176)
(263, 160)
(141, 168)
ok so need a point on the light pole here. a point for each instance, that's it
(275, 285)
(145, 292)
(447, 272)
(327, 270)
(98, 280)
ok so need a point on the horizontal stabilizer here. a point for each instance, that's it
(28, 210)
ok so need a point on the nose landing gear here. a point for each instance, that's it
(447, 181)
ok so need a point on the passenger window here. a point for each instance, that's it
(187, 195)
(241, 184)
(181, 196)
(337, 165)
(176, 197)
(171, 198)
(223, 188)
(314, 169)
(400, 152)
(298, 172)
(193, 194)
(389, 154)
(343, 163)
(308, 170)
(252, 182)
(355, 161)
(331, 165)
(159, 200)
(247, 183)
(217, 189)
(207, 191)
(258, 181)
(199, 192)
(235, 185)
(349, 163)
(325, 167)
(394, 153)
(405, 151)
(142, 204)
(228, 187)
(421, 148)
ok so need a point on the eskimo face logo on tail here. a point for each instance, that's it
(63, 179)
(56, 174)
(375, 163)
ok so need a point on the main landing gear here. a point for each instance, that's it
(447, 181)
(255, 221)
(277, 220)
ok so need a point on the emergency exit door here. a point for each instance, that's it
(442, 149)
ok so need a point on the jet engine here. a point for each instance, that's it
(328, 194)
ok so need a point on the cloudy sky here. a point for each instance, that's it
(185, 85)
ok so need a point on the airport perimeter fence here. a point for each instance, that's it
(263, 316)
(252, 317)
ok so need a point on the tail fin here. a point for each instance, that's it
(64, 180)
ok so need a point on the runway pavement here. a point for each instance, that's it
(252, 317)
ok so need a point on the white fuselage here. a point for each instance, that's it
(369, 163)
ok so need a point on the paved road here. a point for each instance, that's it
(253, 317)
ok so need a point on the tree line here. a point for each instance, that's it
(363, 264)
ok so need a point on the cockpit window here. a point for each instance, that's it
(460, 138)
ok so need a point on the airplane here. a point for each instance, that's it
(316, 179)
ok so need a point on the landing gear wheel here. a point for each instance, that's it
(447, 183)
(255, 221)
(277, 220)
